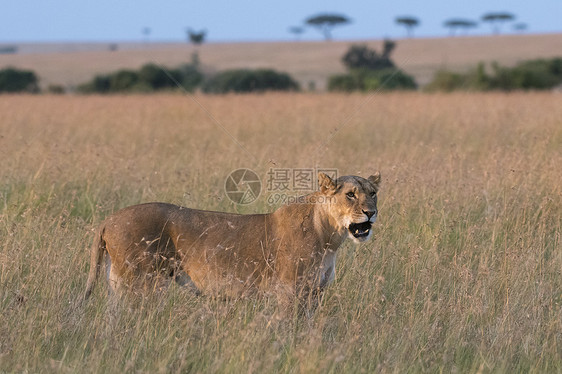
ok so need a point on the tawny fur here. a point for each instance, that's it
(290, 251)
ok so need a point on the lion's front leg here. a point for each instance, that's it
(184, 280)
(297, 299)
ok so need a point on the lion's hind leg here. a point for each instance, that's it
(152, 266)
(134, 269)
(114, 279)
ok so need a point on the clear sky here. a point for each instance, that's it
(244, 20)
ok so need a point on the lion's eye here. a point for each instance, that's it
(350, 194)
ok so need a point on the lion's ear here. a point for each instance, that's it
(375, 180)
(325, 183)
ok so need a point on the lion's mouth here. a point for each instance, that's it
(360, 230)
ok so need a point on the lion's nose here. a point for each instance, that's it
(369, 213)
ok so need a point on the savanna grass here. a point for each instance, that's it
(464, 273)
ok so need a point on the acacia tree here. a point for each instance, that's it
(196, 37)
(146, 31)
(496, 19)
(520, 27)
(457, 23)
(326, 22)
(297, 31)
(409, 23)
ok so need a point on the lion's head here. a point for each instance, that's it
(352, 202)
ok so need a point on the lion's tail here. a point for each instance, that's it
(96, 257)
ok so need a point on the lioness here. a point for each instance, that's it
(290, 251)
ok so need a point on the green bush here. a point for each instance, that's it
(371, 80)
(155, 77)
(123, 80)
(344, 83)
(148, 78)
(446, 81)
(56, 89)
(188, 76)
(389, 79)
(15, 80)
(528, 75)
(244, 80)
(533, 74)
(100, 84)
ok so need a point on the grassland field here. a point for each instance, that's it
(73, 64)
(463, 275)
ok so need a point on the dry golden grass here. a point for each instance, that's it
(464, 273)
(306, 61)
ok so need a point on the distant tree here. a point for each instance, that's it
(409, 23)
(361, 57)
(520, 27)
(496, 19)
(8, 49)
(297, 31)
(15, 80)
(146, 31)
(370, 71)
(387, 49)
(457, 23)
(326, 22)
(195, 37)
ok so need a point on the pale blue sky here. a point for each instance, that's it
(244, 20)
